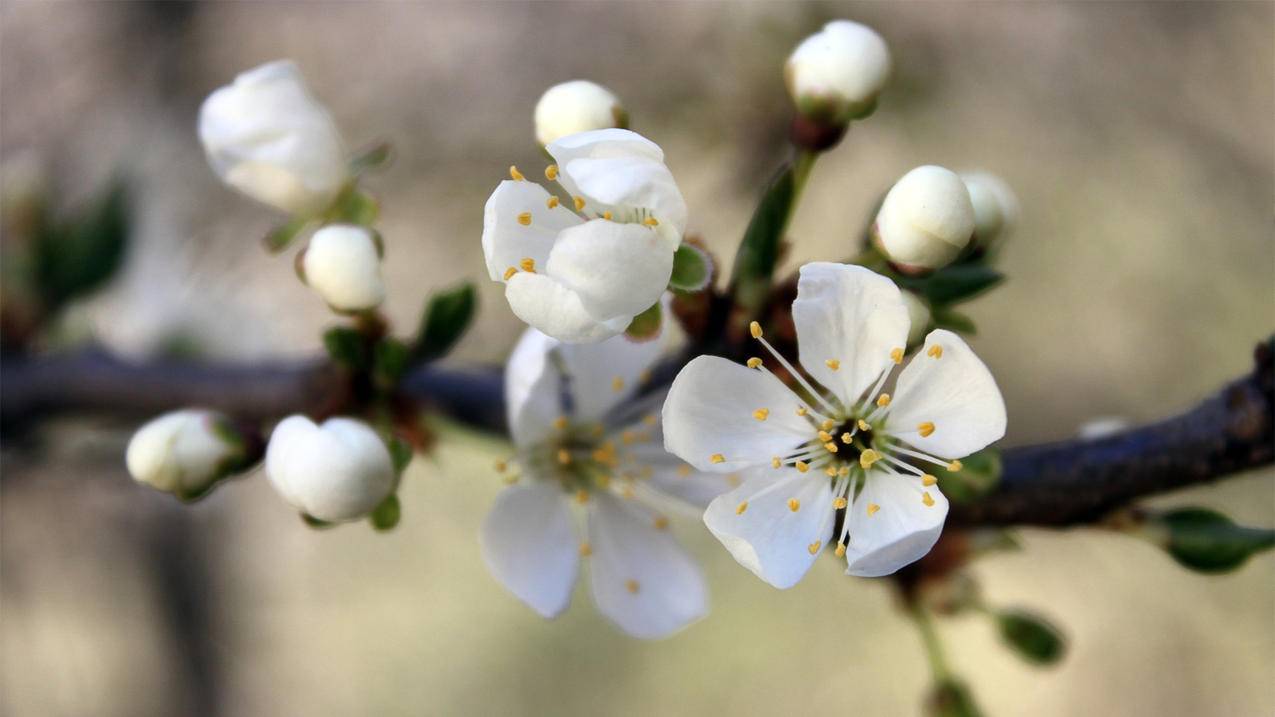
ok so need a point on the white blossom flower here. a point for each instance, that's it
(836, 74)
(184, 452)
(343, 265)
(268, 137)
(995, 207)
(337, 471)
(581, 267)
(846, 447)
(584, 437)
(577, 106)
(925, 220)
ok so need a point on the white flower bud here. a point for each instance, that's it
(343, 265)
(995, 207)
(836, 74)
(919, 315)
(338, 471)
(267, 136)
(577, 106)
(184, 452)
(925, 220)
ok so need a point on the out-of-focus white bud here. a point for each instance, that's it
(1101, 427)
(577, 106)
(925, 220)
(995, 207)
(836, 74)
(185, 452)
(267, 136)
(343, 265)
(337, 471)
(920, 316)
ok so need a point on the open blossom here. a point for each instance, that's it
(849, 448)
(268, 137)
(583, 440)
(836, 74)
(185, 452)
(342, 264)
(340, 470)
(580, 267)
(577, 106)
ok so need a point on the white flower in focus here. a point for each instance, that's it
(836, 74)
(184, 452)
(919, 316)
(854, 450)
(580, 268)
(340, 470)
(925, 220)
(995, 207)
(583, 439)
(343, 265)
(267, 136)
(577, 106)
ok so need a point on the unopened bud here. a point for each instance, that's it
(995, 208)
(836, 74)
(343, 265)
(340, 470)
(577, 106)
(925, 221)
(186, 452)
(920, 316)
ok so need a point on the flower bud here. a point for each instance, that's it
(920, 316)
(925, 220)
(185, 452)
(577, 106)
(337, 471)
(995, 208)
(836, 74)
(267, 136)
(343, 265)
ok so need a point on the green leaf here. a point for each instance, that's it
(400, 453)
(390, 358)
(354, 207)
(760, 248)
(646, 325)
(1032, 637)
(447, 316)
(692, 269)
(978, 475)
(387, 514)
(954, 284)
(372, 158)
(954, 321)
(1209, 542)
(281, 237)
(951, 698)
(77, 258)
(346, 347)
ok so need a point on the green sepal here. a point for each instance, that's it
(692, 269)
(346, 347)
(759, 250)
(1031, 637)
(281, 237)
(1208, 542)
(646, 325)
(75, 258)
(446, 317)
(315, 523)
(951, 698)
(387, 514)
(978, 475)
(953, 284)
(954, 321)
(353, 206)
(390, 359)
(375, 157)
(400, 453)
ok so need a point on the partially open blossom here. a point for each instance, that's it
(340, 470)
(995, 207)
(185, 452)
(580, 267)
(850, 449)
(577, 106)
(836, 74)
(585, 439)
(925, 220)
(268, 137)
(343, 265)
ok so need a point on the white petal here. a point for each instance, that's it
(615, 269)
(506, 241)
(343, 266)
(642, 579)
(601, 376)
(603, 143)
(851, 315)
(673, 477)
(955, 392)
(768, 537)
(338, 471)
(529, 544)
(901, 531)
(709, 412)
(624, 183)
(543, 302)
(533, 389)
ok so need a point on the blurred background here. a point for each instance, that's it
(1139, 137)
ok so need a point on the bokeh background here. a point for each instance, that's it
(1139, 136)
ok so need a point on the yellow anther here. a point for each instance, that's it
(617, 384)
(827, 424)
(560, 423)
(761, 414)
(684, 471)
(604, 481)
(739, 509)
(825, 436)
(510, 272)
(896, 355)
(873, 508)
(585, 550)
(925, 429)
(846, 438)
(645, 376)
(651, 419)
(830, 447)
(511, 479)
(843, 471)
(955, 466)
(564, 456)
(867, 458)
(501, 466)
(607, 215)
(830, 471)
(754, 328)
(754, 362)
(717, 458)
(840, 551)
(651, 222)
(552, 202)
(632, 586)
(628, 438)
(602, 455)
(774, 462)
(864, 425)
(839, 504)
(814, 547)
(628, 493)
(802, 410)
(525, 219)
(794, 505)
(883, 400)
(927, 499)
(802, 466)
(928, 480)
(832, 364)
(661, 522)
(579, 201)
(935, 351)
(551, 172)
(582, 496)
(514, 174)
(528, 265)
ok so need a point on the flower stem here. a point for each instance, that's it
(933, 645)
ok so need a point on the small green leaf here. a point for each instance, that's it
(1209, 542)
(979, 473)
(760, 248)
(954, 321)
(315, 523)
(400, 453)
(389, 359)
(78, 257)
(374, 157)
(346, 347)
(951, 698)
(354, 207)
(387, 514)
(1032, 637)
(954, 284)
(281, 237)
(646, 325)
(447, 316)
(691, 269)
